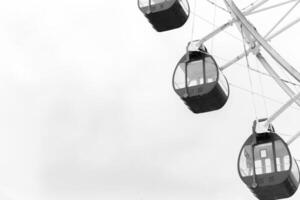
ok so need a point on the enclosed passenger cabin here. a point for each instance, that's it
(165, 15)
(199, 82)
(266, 166)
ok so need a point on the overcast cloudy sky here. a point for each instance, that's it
(88, 110)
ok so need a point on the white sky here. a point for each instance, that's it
(88, 110)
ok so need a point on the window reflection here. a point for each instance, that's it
(295, 171)
(282, 156)
(264, 159)
(179, 77)
(185, 6)
(246, 165)
(195, 73)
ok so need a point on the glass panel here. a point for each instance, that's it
(286, 163)
(264, 162)
(282, 156)
(211, 72)
(147, 3)
(245, 162)
(144, 3)
(195, 73)
(268, 165)
(295, 170)
(179, 78)
(223, 83)
(258, 167)
(278, 164)
(185, 6)
(153, 2)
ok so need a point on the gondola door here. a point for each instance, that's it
(264, 159)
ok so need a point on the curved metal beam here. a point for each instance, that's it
(251, 30)
(242, 55)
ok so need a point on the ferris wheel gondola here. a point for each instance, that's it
(199, 82)
(165, 15)
(266, 166)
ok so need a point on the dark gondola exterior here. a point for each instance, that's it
(266, 166)
(210, 89)
(165, 15)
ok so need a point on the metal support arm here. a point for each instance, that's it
(214, 33)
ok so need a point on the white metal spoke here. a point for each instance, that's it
(281, 110)
(215, 32)
(273, 6)
(250, 5)
(218, 6)
(294, 138)
(262, 96)
(283, 29)
(281, 19)
(255, 6)
(212, 24)
(236, 59)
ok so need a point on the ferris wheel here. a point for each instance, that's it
(265, 162)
